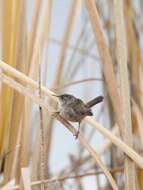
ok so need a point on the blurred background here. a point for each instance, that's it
(58, 35)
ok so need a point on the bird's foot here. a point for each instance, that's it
(76, 134)
(55, 113)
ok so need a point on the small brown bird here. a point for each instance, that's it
(74, 109)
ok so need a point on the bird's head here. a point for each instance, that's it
(65, 98)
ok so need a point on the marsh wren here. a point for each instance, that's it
(74, 109)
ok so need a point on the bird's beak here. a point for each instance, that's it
(56, 95)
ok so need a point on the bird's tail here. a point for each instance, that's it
(95, 101)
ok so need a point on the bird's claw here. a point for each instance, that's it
(76, 134)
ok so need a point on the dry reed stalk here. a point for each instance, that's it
(130, 172)
(24, 78)
(113, 170)
(18, 99)
(33, 28)
(42, 29)
(115, 140)
(107, 143)
(5, 91)
(34, 183)
(16, 167)
(35, 157)
(139, 120)
(12, 19)
(49, 16)
(44, 23)
(24, 91)
(42, 134)
(135, 61)
(134, 53)
(23, 64)
(25, 138)
(106, 60)
(140, 177)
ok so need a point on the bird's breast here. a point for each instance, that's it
(73, 114)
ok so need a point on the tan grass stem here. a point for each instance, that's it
(117, 141)
(15, 73)
(34, 183)
(139, 119)
(42, 134)
(126, 128)
(106, 59)
(34, 24)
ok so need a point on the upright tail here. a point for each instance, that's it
(95, 101)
